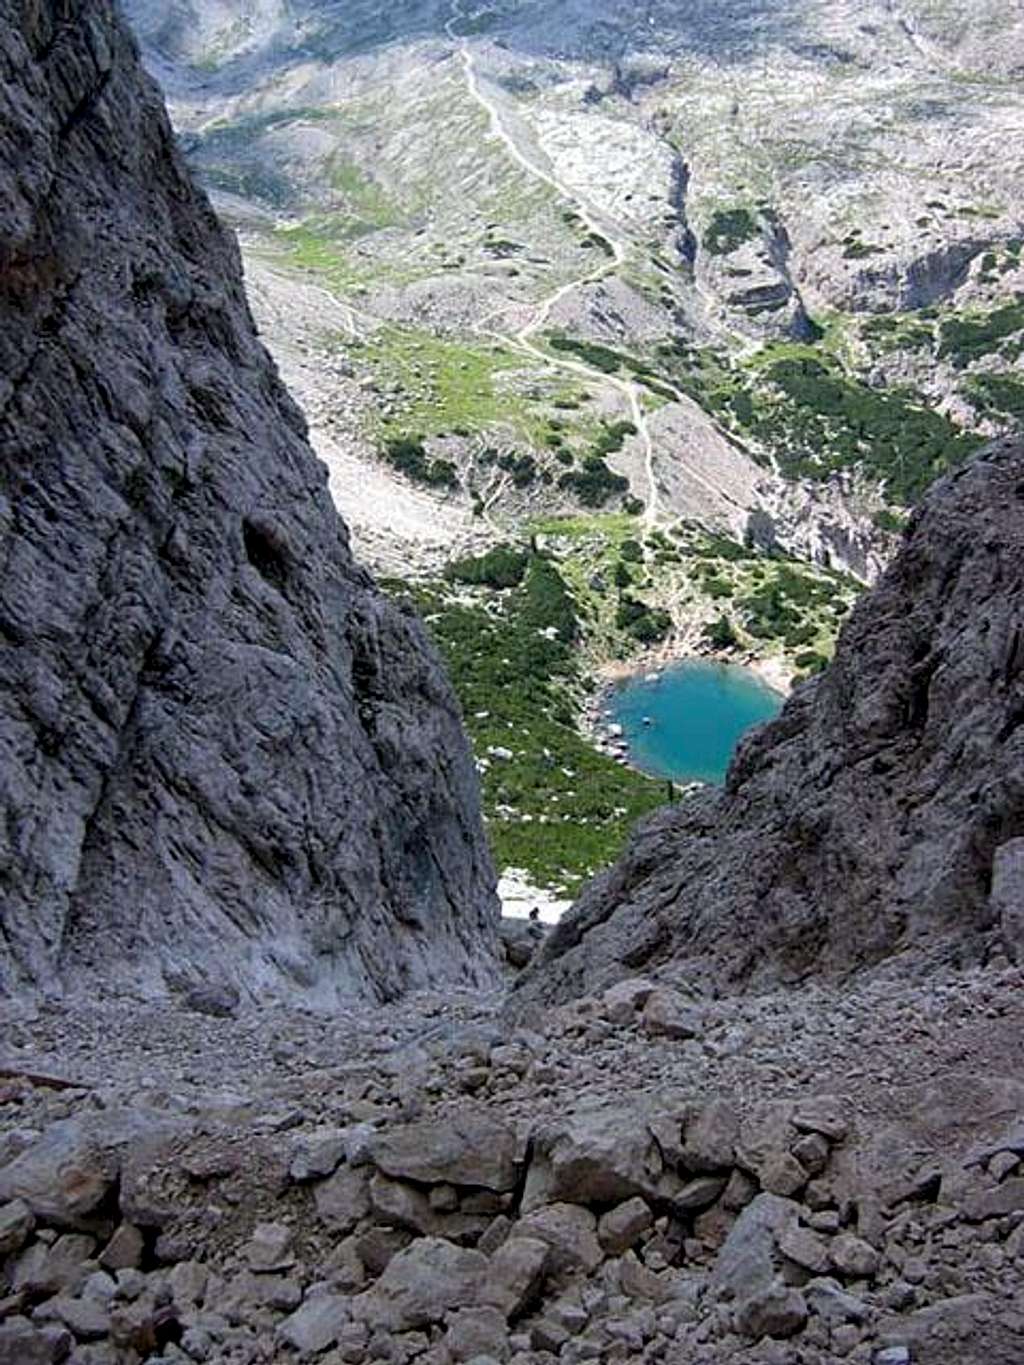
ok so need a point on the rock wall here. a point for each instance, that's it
(876, 816)
(225, 757)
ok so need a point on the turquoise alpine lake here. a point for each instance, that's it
(684, 723)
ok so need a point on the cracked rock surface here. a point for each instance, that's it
(228, 763)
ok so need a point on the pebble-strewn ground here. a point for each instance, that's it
(646, 1175)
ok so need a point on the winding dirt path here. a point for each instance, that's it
(595, 223)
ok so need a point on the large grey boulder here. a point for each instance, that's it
(877, 815)
(225, 758)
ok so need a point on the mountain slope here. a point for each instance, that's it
(225, 757)
(881, 814)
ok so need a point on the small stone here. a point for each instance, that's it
(739, 1191)
(546, 1335)
(1002, 1165)
(217, 1001)
(822, 1114)
(422, 1284)
(812, 1152)
(86, 1318)
(667, 1015)
(804, 1249)
(269, 1248)
(893, 1355)
(845, 1338)
(782, 1174)
(124, 1250)
(317, 1155)
(343, 1200)
(315, 1325)
(16, 1223)
(187, 1281)
(621, 1002)
(772, 1312)
(710, 1139)
(996, 1203)
(699, 1193)
(570, 1232)
(622, 1227)
(854, 1257)
(444, 1199)
(474, 1332)
(515, 1275)
(828, 1299)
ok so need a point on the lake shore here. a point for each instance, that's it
(597, 719)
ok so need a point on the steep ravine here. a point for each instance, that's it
(226, 759)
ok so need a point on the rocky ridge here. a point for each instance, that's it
(228, 762)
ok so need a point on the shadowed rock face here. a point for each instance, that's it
(865, 821)
(223, 755)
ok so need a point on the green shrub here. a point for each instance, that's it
(502, 567)
(728, 230)
(720, 634)
(409, 456)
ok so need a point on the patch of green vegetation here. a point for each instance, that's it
(502, 567)
(648, 625)
(594, 484)
(446, 384)
(996, 395)
(965, 337)
(720, 634)
(556, 807)
(409, 456)
(728, 230)
(888, 520)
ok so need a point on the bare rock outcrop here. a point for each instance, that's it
(224, 757)
(868, 820)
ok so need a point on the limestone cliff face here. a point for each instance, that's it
(877, 815)
(223, 756)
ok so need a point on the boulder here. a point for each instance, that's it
(622, 1227)
(421, 1285)
(621, 1003)
(569, 1231)
(772, 1312)
(748, 1260)
(516, 1274)
(16, 1223)
(316, 1324)
(710, 1138)
(64, 1179)
(343, 1200)
(317, 1154)
(595, 1156)
(468, 1148)
(853, 1257)
(667, 1014)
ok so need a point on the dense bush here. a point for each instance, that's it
(502, 567)
(595, 483)
(729, 229)
(409, 456)
(547, 603)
